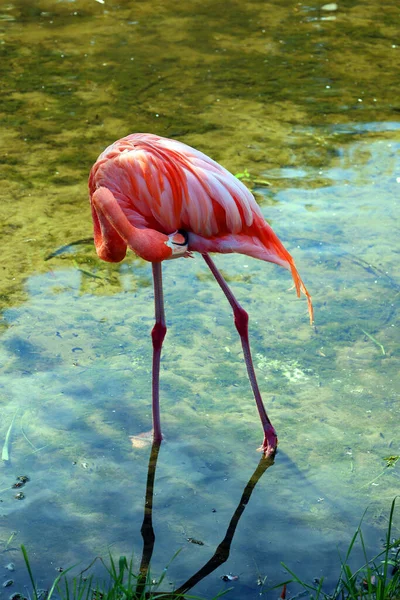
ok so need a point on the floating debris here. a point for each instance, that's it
(19, 496)
(23, 478)
(8, 583)
(229, 577)
(21, 481)
(194, 541)
(391, 460)
(10, 567)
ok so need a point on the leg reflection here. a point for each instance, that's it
(147, 530)
(221, 554)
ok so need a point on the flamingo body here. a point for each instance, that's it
(165, 185)
(164, 199)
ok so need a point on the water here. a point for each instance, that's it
(309, 106)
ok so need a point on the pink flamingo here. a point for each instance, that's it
(166, 200)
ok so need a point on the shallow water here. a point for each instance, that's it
(305, 100)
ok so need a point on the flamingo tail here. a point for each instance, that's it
(273, 245)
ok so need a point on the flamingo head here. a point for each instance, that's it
(155, 246)
(178, 242)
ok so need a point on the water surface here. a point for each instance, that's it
(305, 100)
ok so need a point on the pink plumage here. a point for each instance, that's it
(165, 185)
(164, 199)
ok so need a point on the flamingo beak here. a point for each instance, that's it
(179, 244)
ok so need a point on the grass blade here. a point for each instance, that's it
(28, 566)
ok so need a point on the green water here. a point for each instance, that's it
(307, 101)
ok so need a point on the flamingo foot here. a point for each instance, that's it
(270, 443)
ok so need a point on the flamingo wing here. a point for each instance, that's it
(165, 181)
(165, 185)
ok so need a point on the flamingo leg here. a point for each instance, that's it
(158, 334)
(241, 321)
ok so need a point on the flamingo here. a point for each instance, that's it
(166, 200)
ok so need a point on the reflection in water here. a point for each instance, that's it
(220, 555)
(147, 525)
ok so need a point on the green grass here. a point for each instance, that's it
(377, 579)
(121, 583)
